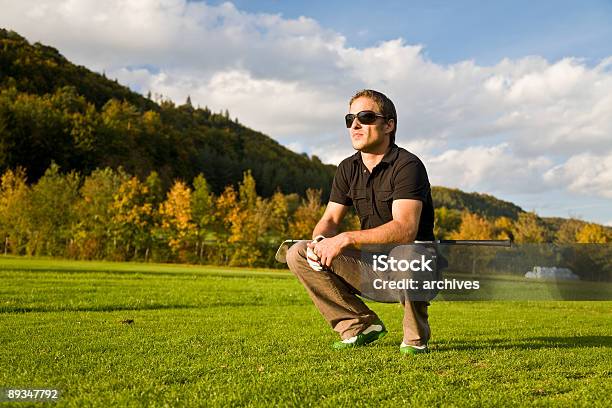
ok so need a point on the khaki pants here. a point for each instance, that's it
(335, 292)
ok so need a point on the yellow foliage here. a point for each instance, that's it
(503, 228)
(473, 226)
(307, 215)
(175, 213)
(529, 229)
(228, 210)
(593, 234)
(446, 222)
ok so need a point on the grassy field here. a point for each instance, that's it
(213, 336)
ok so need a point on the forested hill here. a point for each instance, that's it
(483, 204)
(54, 111)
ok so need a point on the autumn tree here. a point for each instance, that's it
(227, 212)
(203, 212)
(92, 231)
(306, 215)
(473, 226)
(132, 218)
(593, 234)
(446, 222)
(502, 228)
(566, 234)
(279, 215)
(250, 224)
(177, 224)
(14, 205)
(51, 214)
(529, 229)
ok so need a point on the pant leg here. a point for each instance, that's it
(334, 292)
(416, 324)
(416, 318)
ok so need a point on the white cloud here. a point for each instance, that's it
(492, 169)
(584, 173)
(524, 125)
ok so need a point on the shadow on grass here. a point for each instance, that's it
(99, 308)
(529, 343)
(113, 308)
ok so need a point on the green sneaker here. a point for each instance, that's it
(374, 332)
(413, 350)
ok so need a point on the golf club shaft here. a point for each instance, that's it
(479, 242)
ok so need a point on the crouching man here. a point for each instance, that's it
(389, 188)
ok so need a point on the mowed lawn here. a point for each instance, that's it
(213, 336)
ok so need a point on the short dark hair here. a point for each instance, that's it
(386, 107)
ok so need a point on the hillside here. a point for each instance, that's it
(54, 111)
(483, 204)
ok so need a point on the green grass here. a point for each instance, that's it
(213, 336)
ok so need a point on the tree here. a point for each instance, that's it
(279, 214)
(176, 221)
(593, 234)
(92, 233)
(132, 218)
(503, 228)
(529, 229)
(52, 214)
(249, 224)
(247, 219)
(14, 205)
(227, 211)
(567, 232)
(307, 215)
(446, 222)
(473, 226)
(203, 210)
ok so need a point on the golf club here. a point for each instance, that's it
(281, 252)
(477, 242)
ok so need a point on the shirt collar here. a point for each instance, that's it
(389, 157)
(391, 154)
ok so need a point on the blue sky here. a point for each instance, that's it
(512, 99)
(452, 31)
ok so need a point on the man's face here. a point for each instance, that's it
(369, 138)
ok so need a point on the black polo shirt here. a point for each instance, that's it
(399, 175)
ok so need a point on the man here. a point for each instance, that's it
(389, 188)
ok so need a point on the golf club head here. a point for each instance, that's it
(281, 252)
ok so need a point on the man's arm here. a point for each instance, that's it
(401, 229)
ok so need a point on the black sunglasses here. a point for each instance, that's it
(365, 118)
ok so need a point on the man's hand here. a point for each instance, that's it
(313, 260)
(329, 248)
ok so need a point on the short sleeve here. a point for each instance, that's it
(411, 181)
(340, 186)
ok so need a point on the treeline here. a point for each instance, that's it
(113, 215)
(54, 111)
(527, 228)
